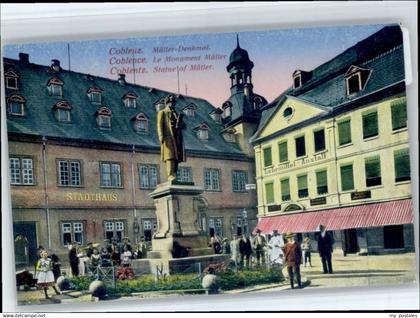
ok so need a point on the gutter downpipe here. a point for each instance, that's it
(47, 209)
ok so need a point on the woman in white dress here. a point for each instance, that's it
(275, 245)
(44, 273)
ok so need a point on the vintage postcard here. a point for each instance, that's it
(209, 163)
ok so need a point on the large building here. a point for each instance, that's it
(84, 156)
(333, 150)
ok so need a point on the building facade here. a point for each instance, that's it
(333, 150)
(84, 156)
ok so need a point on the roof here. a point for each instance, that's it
(352, 217)
(381, 53)
(40, 119)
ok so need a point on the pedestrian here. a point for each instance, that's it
(115, 255)
(89, 249)
(325, 249)
(56, 264)
(306, 249)
(126, 257)
(245, 249)
(234, 250)
(95, 258)
(275, 246)
(259, 245)
(44, 274)
(74, 261)
(225, 246)
(293, 256)
(215, 244)
(127, 243)
(105, 258)
(82, 267)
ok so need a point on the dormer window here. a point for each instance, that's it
(297, 80)
(129, 100)
(95, 95)
(300, 77)
(356, 79)
(11, 79)
(227, 109)
(103, 118)
(55, 87)
(16, 105)
(229, 135)
(160, 104)
(190, 110)
(62, 111)
(141, 123)
(257, 102)
(202, 131)
(216, 115)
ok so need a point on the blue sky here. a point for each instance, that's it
(275, 53)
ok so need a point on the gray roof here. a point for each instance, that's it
(381, 53)
(40, 120)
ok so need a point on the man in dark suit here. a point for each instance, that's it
(245, 249)
(325, 248)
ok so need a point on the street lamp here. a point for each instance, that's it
(245, 220)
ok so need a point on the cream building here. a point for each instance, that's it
(333, 150)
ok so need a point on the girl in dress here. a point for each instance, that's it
(44, 274)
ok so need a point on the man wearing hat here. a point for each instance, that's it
(293, 256)
(275, 246)
(259, 245)
(325, 248)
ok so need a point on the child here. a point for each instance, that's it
(44, 274)
(306, 248)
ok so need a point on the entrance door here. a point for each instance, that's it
(394, 236)
(25, 230)
(351, 241)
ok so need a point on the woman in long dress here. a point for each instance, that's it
(44, 274)
(275, 245)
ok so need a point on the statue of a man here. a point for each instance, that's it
(169, 126)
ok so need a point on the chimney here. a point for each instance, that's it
(121, 79)
(24, 58)
(55, 65)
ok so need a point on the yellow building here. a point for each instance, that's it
(333, 150)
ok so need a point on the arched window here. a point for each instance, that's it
(16, 105)
(202, 131)
(62, 111)
(141, 123)
(129, 100)
(55, 87)
(103, 118)
(190, 110)
(227, 109)
(11, 79)
(95, 94)
(229, 135)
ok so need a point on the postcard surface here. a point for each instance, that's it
(209, 163)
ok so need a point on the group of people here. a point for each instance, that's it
(276, 250)
(113, 253)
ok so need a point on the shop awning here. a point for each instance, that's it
(360, 216)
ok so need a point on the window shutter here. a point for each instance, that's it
(283, 152)
(322, 182)
(267, 157)
(399, 114)
(302, 182)
(347, 182)
(373, 171)
(344, 132)
(402, 165)
(285, 189)
(269, 193)
(370, 125)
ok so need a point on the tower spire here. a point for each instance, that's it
(237, 41)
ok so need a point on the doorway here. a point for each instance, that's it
(393, 236)
(351, 245)
(24, 234)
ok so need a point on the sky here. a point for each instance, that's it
(275, 53)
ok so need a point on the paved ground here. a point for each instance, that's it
(351, 270)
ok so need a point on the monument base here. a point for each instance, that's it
(184, 265)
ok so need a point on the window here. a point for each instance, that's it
(148, 176)
(321, 182)
(110, 174)
(229, 135)
(72, 232)
(55, 87)
(104, 118)
(269, 193)
(373, 171)
(62, 111)
(399, 114)
(69, 172)
(114, 230)
(319, 140)
(297, 81)
(11, 79)
(130, 100)
(394, 236)
(212, 180)
(190, 110)
(347, 182)
(141, 123)
(184, 174)
(203, 134)
(267, 157)
(21, 171)
(95, 95)
(227, 110)
(288, 112)
(285, 189)
(300, 146)
(344, 132)
(283, 153)
(16, 105)
(239, 180)
(370, 124)
(354, 84)
(402, 165)
(149, 227)
(302, 186)
(216, 226)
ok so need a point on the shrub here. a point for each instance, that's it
(81, 282)
(124, 273)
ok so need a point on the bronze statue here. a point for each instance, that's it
(169, 126)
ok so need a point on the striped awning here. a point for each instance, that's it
(359, 216)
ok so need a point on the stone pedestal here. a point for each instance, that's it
(178, 231)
